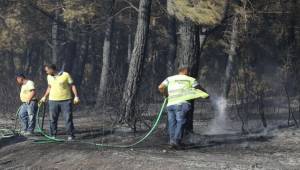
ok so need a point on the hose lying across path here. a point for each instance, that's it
(187, 95)
(50, 139)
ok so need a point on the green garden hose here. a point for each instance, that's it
(8, 133)
(50, 139)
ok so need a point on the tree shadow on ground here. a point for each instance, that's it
(11, 140)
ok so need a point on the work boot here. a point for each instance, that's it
(173, 145)
(176, 147)
(182, 144)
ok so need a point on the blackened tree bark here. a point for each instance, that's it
(129, 47)
(188, 46)
(290, 55)
(172, 39)
(80, 62)
(129, 40)
(71, 50)
(11, 67)
(202, 39)
(260, 100)
(137, 60)
(37, 59)
(188, 56)
(106, 57)
(231, 55)
(54, 33)
(194, 73)
(28, 60)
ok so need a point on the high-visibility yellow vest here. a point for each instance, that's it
(181, 89)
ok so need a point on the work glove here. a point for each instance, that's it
(76, 100)
(43, 99)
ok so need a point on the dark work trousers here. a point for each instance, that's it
(64, 107)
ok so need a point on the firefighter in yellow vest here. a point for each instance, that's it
(60, 89)
(177, 107)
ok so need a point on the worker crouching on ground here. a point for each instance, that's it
(60, 88)
(177, 109)
(29, 107)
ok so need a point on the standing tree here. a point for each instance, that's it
(192, 15)
(55, 46)
(137, 59)
(231, 55)
(188, 56)
(172, 37)
(106, 57)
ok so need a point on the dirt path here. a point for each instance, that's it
(280, 152)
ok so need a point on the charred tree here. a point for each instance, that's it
(172, 39)
(55, 33)
(137, 60)
(71, 49)
(129, 40)
(106, 56)
(291, 44)
(231, 55)
(188, 56)
(188, 46)
(260, 106)
(80, 62)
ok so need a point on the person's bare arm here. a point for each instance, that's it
(162, 89)
(46, 93)
(76, 98)
(74, 90)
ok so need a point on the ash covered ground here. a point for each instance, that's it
(275, 148)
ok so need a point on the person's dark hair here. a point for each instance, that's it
(51, 66)
(20, 75)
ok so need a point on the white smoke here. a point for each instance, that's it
(220, 124)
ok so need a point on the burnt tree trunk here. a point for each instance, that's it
(54, 33)
(129, 40)
(106, 56)
(230, 60)
(71, 50)
(260, 102)
(202, 39)
(194, 73)
(28, 61)
(188, 46)
(188, 56)
(80, 62)
(290, 55)
(172, 39)
(137, 60)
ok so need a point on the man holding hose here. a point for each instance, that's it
(28, 109)
(60, 89)
(179, 89)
